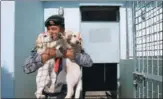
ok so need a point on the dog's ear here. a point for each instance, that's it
(68, 34)
(79, 36)
(81, 40)
(69, 38)
(60, 35)
(38, 40)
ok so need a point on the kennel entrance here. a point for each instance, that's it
(100, 32)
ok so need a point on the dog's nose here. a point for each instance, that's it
(77, 42)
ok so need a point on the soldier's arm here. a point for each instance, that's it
(83, 59)
(52, 52)
(48, 53)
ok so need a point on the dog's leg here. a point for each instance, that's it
(70, 86)
(53, 76)
(42, 79)
(78, 89)
(70, 92)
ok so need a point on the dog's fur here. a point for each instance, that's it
(45, 41)
(48, 78)
(73, 76)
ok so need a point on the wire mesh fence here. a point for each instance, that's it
(147, 45)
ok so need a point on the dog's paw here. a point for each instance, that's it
(40, 96)
(49, 90)
(67, 97)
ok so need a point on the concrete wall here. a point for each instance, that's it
(29, 23)
(126, 79)
(126, 66)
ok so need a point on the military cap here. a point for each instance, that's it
(55, 20)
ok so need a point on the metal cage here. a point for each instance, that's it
(147, 48)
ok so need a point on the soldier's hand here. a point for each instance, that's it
(48, 54)
(69, 54)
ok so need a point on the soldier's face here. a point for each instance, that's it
(53, 30)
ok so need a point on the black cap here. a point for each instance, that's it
(55, 20)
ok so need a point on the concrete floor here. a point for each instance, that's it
(94, 95)
(98, 95)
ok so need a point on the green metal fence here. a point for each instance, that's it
(147, 45)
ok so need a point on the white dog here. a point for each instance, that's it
(46, 77)
(73, 76)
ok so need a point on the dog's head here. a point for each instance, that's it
(47, 37)
(56, 36)
(73, 38)
(43, 37)
(76, 38)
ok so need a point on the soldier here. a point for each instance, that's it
(55, 24)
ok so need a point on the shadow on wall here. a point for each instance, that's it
(6, 83)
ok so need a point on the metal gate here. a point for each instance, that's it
(148, 41)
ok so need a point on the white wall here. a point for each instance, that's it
(29, 23)
(70, 23)
(7, 48)
(130, 31)
(122, 33)
(101, 41)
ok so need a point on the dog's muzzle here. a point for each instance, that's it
(77, 42)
